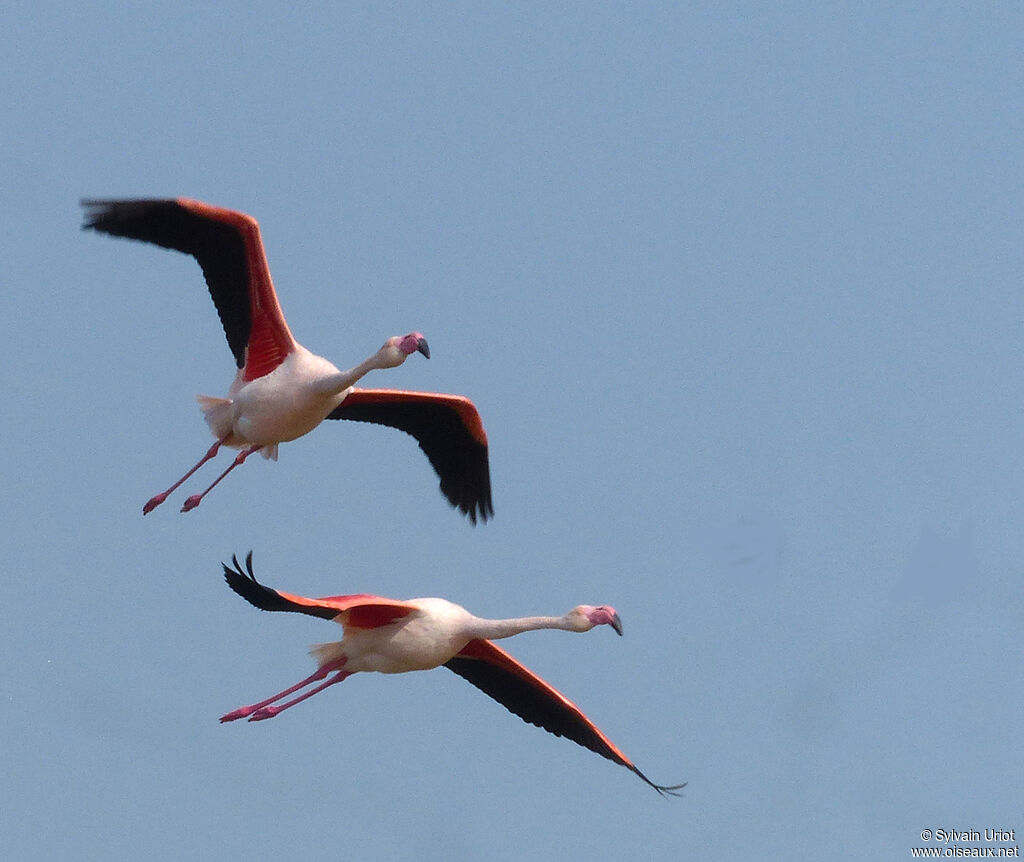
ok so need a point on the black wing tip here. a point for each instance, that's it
(102, 214)
(474, 508)
(95, 210)
(109, 202)
(265, 598)
(472, 497)
(244, 583)
(663, 789)
(238, 579)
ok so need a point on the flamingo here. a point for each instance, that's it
(394, 636)
(281, 390)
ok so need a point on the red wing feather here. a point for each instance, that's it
(367, 612)
(270, 340)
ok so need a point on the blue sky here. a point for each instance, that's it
(737, 290)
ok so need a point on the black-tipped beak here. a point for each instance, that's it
(423, 347)
(616, 624)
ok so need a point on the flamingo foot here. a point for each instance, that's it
(235, 714)
(153, 503)
(265, 712)
(192, 502)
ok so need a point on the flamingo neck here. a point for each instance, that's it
(497, 629)
(339, 381)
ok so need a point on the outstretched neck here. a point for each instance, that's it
(497, 629)
(332, 384)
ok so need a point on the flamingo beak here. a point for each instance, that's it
(616, 623)
(422, 346)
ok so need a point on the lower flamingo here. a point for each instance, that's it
(396, 636)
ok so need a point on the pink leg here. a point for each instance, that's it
(270, 711)
(159, 498)
(196, 499)
(246, 711)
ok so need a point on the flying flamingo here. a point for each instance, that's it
(281, 390)
(392, 636)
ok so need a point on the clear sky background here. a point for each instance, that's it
(737, 290)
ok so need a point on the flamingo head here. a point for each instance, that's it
(585, 617)
(398, 347)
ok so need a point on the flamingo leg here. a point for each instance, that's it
(159, 498)
(196, 499)
(270, 711)
(246, 711)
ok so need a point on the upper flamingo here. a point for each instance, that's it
(281, 390)
(393, 636)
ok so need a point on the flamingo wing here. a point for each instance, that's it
(525, 694)
(229, 250)
(359, 610)
(449, 431)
